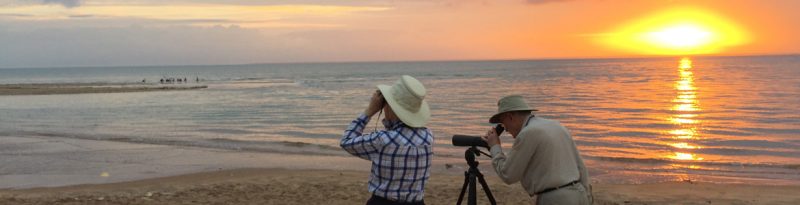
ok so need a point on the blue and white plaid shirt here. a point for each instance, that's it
(400, 155)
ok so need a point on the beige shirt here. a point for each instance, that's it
(543, 156)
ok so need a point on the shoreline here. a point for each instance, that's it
(110, 172)
(310, 186)
(29, 158)
(81, 88)
(42, 161)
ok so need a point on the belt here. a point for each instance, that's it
(556, 188)
(380, 200)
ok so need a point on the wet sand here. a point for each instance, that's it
(121, 172)
(30, 160)
(78, 88)
(281, 186)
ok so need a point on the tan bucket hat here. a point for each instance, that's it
(508, 104)
(407, 99)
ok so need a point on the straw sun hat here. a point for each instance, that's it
(508, 104)
(407, 99)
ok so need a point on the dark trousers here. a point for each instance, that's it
(376, 200)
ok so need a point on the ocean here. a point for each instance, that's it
(714, 119)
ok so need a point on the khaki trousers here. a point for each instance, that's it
(571, 195)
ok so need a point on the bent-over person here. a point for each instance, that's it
(543, 158)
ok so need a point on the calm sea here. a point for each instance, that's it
(718, 119)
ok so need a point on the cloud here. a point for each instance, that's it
(14, 15)
(265, 16)
(545, 1)
(188, 45)
(65, 3)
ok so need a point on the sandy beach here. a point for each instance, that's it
(111, 172)
(78, 88)
(45, 169)
(282, 186)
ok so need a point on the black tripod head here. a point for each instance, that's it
(472, 177)
(473, 152)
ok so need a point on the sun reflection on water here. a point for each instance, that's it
(683, 166)
(685, 156)
(683, 133)
(682, 121)
(684, 145)
(686, 63)
(686, 105)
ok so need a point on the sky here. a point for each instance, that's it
(67, 33)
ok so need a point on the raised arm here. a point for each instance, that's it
(511, 168)
(360, 145)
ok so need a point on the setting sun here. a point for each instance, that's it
(680, 31)
(681, 36)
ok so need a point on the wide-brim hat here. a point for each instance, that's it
(407, 99)
(508, 104)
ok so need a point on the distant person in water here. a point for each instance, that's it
(543, 159)
(401, 152)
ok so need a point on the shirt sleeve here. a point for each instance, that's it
(511, 168)
(358, 144)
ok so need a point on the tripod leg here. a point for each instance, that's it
(473, 196)
(486, 188)
(463, 188)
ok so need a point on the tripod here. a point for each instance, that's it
(470, 177)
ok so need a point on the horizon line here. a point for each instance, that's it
(404, 61)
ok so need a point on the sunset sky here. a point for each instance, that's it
(58, 33)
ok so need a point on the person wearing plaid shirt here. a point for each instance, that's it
(401, 153)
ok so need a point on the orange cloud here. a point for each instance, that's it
(197, 14)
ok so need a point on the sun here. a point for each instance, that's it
(677, 31)
(681, 36)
